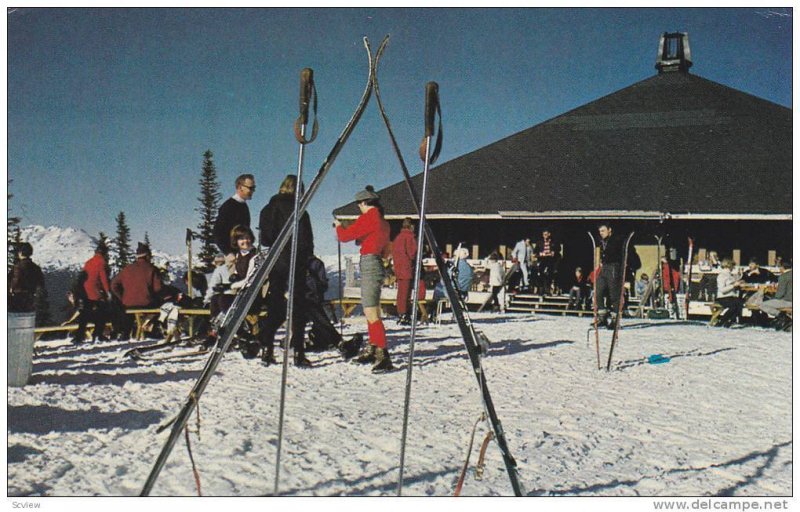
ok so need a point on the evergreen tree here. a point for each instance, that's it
(13, 234)
(209, 205)
(123, 243)
(103, 238)
(147, 240)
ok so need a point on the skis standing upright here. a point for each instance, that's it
(468, 333)
(689, 276)
(620, 306)
(595, 272)
(246, 297)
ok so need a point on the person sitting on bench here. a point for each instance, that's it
(781, 300)
(727, 294)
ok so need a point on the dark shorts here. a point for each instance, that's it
(372, 275)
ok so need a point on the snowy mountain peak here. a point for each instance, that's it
(56, 248)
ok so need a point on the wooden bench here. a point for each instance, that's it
(349, 304)
(38, 332)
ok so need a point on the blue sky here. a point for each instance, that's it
(112, 109)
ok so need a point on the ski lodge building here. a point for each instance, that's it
(673, 156)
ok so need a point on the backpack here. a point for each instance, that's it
(323, 337)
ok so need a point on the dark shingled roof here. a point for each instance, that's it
(673, 143)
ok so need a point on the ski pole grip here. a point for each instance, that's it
(431, 102)
(306, 88)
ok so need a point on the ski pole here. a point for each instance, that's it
(307, 92)
(466, 328)
(189, 286)
(594, 298)
(339, 283)
(431, 108)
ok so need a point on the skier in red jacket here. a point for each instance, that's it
(136, 286)
(404, 251)
(98, 296)
(372, 230)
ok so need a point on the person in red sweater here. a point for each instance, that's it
(136, 286)
(372, 231)
(98, 295)
(404, 251)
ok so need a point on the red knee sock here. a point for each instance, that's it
(377, 334)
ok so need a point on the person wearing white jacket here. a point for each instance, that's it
(497, 276)
(728, 284)
(522, 253)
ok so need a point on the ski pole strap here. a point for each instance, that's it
(191, 459)
(463, 474)
(432, 109)
(481, 463)
(308, 93)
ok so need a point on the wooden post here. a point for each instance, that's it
(448, 248)
(596, 258)
(737, 257)
(701, 254)
(503, 250)
(475, 252)
(772, 256)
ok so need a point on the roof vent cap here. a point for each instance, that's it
(674, 53)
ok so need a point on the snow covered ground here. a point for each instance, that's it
(714, 420)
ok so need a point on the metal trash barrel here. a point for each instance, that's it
(20, 347)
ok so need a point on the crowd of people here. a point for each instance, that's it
(99, 299)
(538, 263)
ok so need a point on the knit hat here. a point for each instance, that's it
(367, 194)
(142, 250)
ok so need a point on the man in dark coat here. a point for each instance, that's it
(25, 281)
(609, 281)
(549, 254)
(272, 219)
(136, 286)
(234, 212)
(755, 274)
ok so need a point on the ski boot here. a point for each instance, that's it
(249, 348)
(268, 355)
(367, 355)
(300, 361)
(383, 362)
(349, 348)
(210, 340)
